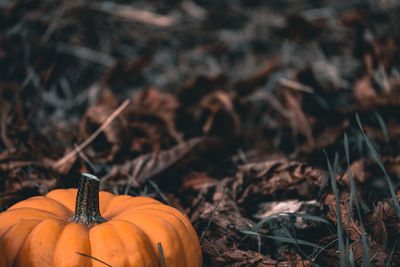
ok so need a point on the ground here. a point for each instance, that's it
(274, 125)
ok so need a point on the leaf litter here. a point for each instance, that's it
(219, 109)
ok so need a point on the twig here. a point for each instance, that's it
(92, 168)
(130, 13)
(3, 124)
(87, 54)
(8, 166)
(295, 85)
(194, 10)
(90, 139)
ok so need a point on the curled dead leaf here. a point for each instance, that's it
(137, 171)
(218, 115)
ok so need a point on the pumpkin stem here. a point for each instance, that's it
(87, 202)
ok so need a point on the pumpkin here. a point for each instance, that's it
(85, 227)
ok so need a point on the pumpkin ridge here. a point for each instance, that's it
(3, 235)
(193, 236)
(73, 238)
(122, 200)
(181, 217)
(186, 232)
(112, 203)
(169, 231)
(3, 232)
(92, 237)
(131, 209)
(179, 221)
(12, 217)
(166, 209)
(117, 231)
(111, 232)
(5, 229)
(31, 201)
(28, 239)
(33, 210)
(181, 244)
(36, 209)
(70, 193)
(145, 236)
(105, 199)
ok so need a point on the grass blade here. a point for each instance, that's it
(256, 227)
(159, 192)
(161, 254)
(382, 125)
(264, 220)
(390, 258)
(299, 248)
(258, 240)
(212, 216)
(380, 225)
(38, 185)
(311, 217)
(305, 216)
(351, 258)
(96, 259)
(353, 197)
(332, 175)
(325, 247)
(282, 239)
(380, 164)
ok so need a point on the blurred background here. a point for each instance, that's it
(214, 85)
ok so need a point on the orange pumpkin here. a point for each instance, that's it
(117, 230)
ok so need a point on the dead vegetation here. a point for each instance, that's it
(221, 109)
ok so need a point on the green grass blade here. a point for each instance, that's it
(382, 125)
(380, 164)
(38, 186)
(365, 248)
(256, 227)
(390, 258)
(373, 256)
(299, 248)
(311, 218)
(160, 249)
(258, 239)
(282, 239)
(380, 224)
(159, 192)
(33, 182)
(305, 216)
(212, 216)
(96, 259)
(353, 197)
(264, 220)
(325, 247)
(332, 175)
(351, 257)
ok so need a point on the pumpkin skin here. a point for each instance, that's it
(39, 232)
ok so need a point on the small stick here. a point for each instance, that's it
(295, 85)
(92, 168)
(133, 14)
(93, 136)
(87, 54)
